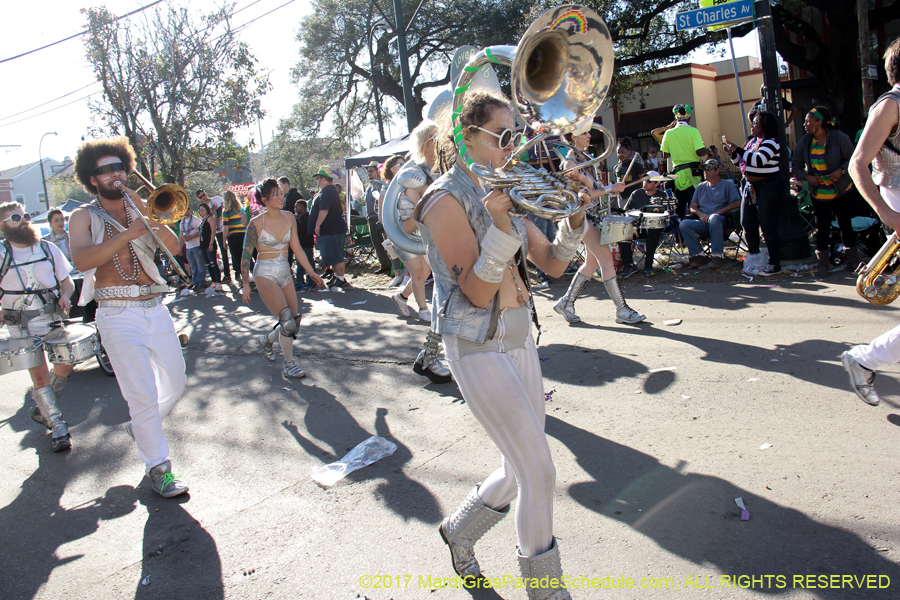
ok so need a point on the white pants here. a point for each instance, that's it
(146, 356)
(505, 392)
(882, 352)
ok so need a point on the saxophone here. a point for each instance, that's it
(879, 280)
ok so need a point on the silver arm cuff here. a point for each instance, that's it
(567, 240)
(497, 249)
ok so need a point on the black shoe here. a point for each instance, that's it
(383, 271)
(627, 271)
(769, 270)
(58, 444)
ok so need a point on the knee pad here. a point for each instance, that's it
(287, 323)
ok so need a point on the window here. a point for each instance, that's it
(20, 198)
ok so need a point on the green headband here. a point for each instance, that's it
(819, 116)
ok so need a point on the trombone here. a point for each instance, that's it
(166, 205)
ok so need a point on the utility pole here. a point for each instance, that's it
(794, 241)
(862, 15)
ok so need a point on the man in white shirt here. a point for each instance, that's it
(189, 236)
(34, 279)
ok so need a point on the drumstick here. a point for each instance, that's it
(625, 176)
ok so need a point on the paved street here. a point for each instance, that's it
(655, 430)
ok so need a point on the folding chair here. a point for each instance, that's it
(358, 245)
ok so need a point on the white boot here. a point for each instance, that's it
(465, 527)
(566, 305)
(546, 565)
(624, 313)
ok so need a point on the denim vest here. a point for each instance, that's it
(453, 313)
(886, 164)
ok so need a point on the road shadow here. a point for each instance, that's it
(695, 517)
(813, 361)
(180, 558)
(35, 525)
(331, 432)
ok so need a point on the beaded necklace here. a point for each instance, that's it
(135, 265)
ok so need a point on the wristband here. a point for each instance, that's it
(567, 240)
(497, 249)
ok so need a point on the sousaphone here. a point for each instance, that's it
(561, 71)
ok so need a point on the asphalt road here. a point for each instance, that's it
(655, 430)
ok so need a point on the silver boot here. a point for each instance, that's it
(429, 364)
(164, 482)
(566, 305)
(546, 565)
(463, 528)
(58, 384)
(624, 313)
(45, 399)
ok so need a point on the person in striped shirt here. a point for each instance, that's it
(763, 189)
(822, 158)
(235, 228)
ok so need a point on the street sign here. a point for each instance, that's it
(731, 12)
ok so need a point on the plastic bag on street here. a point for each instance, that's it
(365, 453)
(754, 263)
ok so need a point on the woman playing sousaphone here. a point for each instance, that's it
(483, 310)
(270, 233)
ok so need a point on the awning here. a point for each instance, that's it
(67, 207)
(382, 152)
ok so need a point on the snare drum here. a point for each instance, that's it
(616, 228)
(654, 220)
(18, 354)
(71, 344)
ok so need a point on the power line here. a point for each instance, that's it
(235, 30)
(239, 27)
(48, 101)
(52, 109)
(80, 33)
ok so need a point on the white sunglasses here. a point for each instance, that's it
(504, 138)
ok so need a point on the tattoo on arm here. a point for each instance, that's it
(250, 239)
(457, 272)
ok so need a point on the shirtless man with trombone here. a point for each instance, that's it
(113, 241)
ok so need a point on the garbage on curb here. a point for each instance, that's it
(765, 446)
(745, 514)
(672, 322)
(365, 453)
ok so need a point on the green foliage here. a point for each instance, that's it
(336, 71)
(61, 188)
(175, 86)
(337, 74)
(298, 159)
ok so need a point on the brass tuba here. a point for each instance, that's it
(879, 280)
(561, 71)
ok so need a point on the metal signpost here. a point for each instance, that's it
(728, 14)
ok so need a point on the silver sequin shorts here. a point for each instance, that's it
(276, 270)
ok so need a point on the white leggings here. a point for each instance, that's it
(882, 352)
(505, 393)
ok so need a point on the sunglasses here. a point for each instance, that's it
(16, 218)
(504, 138)
(116, 166)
